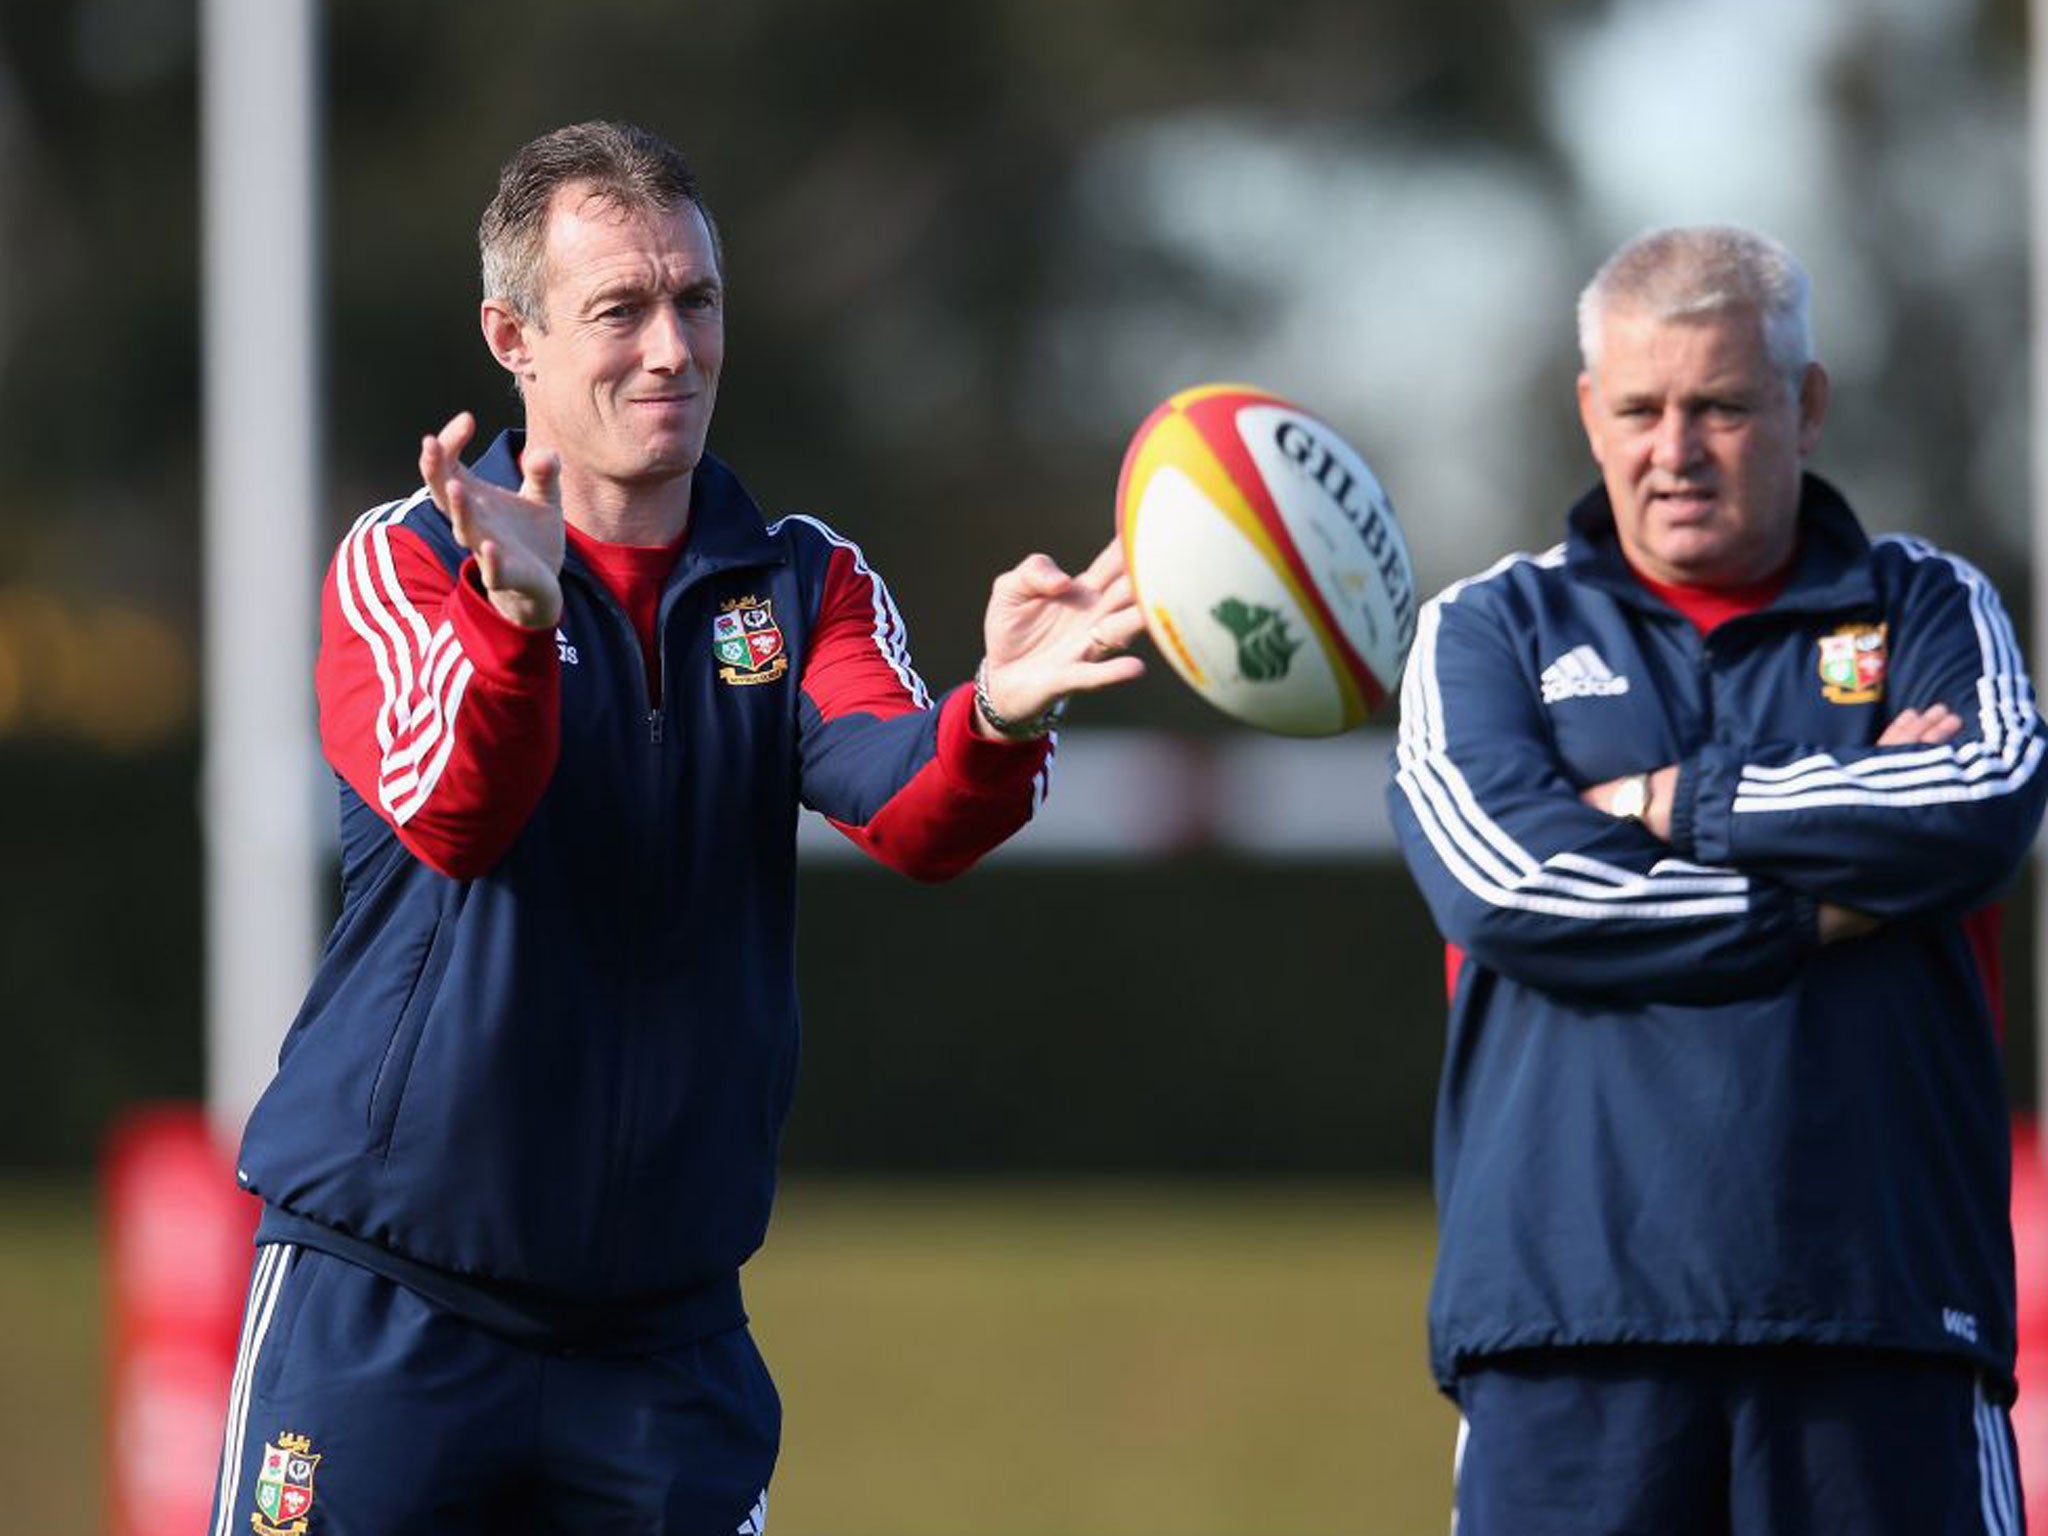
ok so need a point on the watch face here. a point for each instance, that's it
(1631, 798)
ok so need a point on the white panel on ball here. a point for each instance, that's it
(1259, 661)
(1340, 519)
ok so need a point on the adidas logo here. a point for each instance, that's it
(1580, 674)
(756, 1523)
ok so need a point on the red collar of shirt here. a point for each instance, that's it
(1707, 607)
(634, 574)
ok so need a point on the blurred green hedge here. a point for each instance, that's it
(1203, 1015)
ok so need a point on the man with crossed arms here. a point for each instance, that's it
(1706, 800)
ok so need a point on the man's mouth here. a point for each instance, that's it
(1683, 500)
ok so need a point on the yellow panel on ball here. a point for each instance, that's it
(1266, 559)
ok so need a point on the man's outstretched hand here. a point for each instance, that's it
(516, 536)
(1049, 634)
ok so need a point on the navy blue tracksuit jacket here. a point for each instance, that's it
(544, 1065)
(1667, 1114)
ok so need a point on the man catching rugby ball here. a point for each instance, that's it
(522, 1134)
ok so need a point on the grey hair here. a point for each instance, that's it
(618, 162)
(1685, 273)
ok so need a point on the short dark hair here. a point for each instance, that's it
(618, 162)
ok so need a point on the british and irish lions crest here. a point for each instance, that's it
(748, 643)
(284, 1487)
(1852, 664)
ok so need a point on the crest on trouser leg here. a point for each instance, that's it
(284, 1487)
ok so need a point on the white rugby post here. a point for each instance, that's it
(2037, 241)
(258, 182)
(2029, 1420)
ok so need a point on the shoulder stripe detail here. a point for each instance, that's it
(2005, 755)
(1483, 856)
(423, 671)
(273, 1263)
(891, 635)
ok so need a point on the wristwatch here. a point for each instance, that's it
(1631, 797)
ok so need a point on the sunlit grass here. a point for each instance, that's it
(968, 1359)
(1080, 1361)
(50, 1370)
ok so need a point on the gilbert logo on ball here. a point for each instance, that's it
(1272, 573)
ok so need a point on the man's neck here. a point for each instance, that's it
(652, 515)
(1708, 607)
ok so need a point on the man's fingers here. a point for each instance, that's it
(456, 434)
(441, 456)
(1115, 631)
(1927, 727)
(445, 446)
(434, 470)
(1038, 575)
(1938, 724)
(543, 478)
(453, 498)
(1087, 677)
(1839, 922)
(488, 563)
(1117, 593)
(1107, 566)
(1035, 576)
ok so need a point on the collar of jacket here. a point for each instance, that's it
(726, 530)
(1831, 571)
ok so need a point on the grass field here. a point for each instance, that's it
(969, 1360)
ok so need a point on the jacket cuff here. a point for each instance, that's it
(1806, 920)
(499, 649)
(976, 763)
(1685, 799)
(1700, 805)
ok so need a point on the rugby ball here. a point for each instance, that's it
(1271, 571)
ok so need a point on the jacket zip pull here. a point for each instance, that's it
(654, 726)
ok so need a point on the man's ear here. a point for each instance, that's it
(1814, 391)
(505, 333)
(1589, 413)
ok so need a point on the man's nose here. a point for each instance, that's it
(666, 340)
(1676, 444)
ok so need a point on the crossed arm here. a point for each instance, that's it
(1927, 727)
(1751, 853)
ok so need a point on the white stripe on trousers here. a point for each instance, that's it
(273, 1263)
(1997, 1477)
(1458, 1467)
